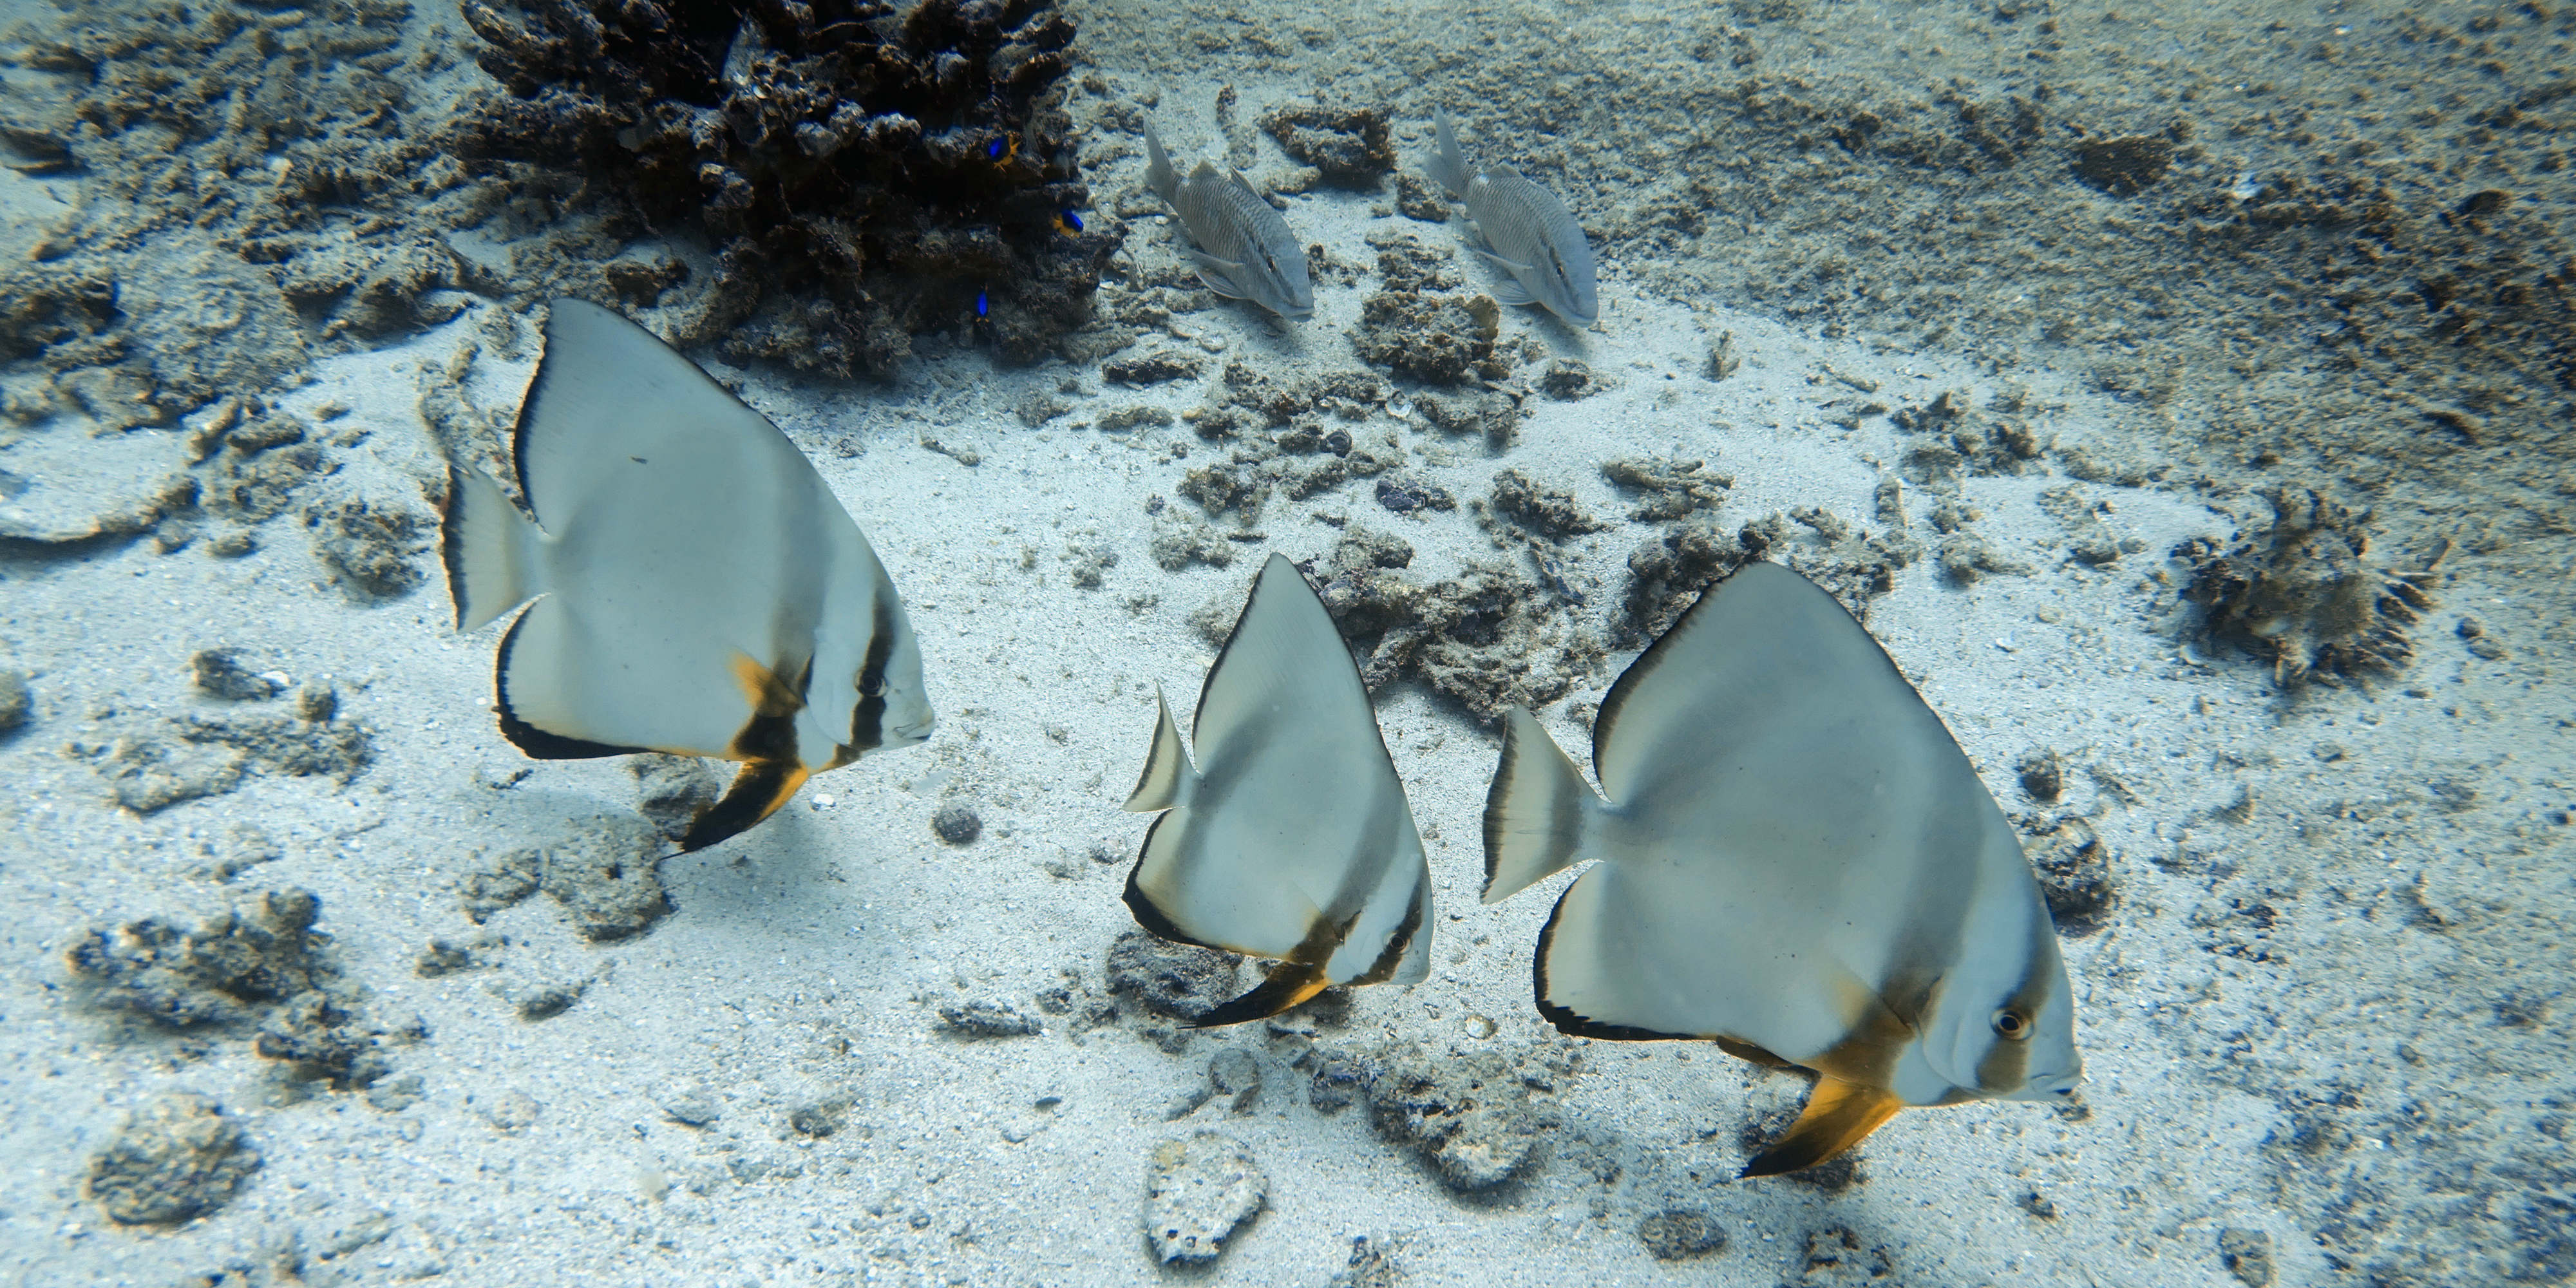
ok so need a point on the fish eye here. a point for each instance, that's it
(2012, 1025)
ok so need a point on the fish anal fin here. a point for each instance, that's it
(757, 792)
(533, 741)
(1838, 1116)
(1748, 1052)
(1167, 777)
(1290, 984)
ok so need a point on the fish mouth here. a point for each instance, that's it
(2048, 1086)
(907, 735)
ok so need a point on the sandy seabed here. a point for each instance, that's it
(2320, 959)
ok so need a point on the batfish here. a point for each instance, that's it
(1291, 837)
(1795, 860)
(1528, 232)
(698, 589)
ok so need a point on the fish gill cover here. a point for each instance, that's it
(863, 172)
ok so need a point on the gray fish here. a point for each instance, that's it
(1245, 250)
(1796, 861)
(1291, 838)
(1530, 233)
(698, 589)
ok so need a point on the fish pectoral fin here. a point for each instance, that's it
(1289, 984)
(757, 792)
(1838, 1115)
(1221, 275)
(1507, 290)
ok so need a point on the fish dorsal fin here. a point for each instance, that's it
(1838, 1115)
(1295, 840)
(1168, 776)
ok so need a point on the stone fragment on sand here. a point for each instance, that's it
(2247, 1254)
(511, 879)
(670, 790)
(1197, 1192)
(988, 1019)
(1179, 980)
(60, 485)
(16, 701)
(370, 548)
(689, 1102)
(219, 673)
(607, 875)
(177, 1157)
(1470, 1117)
(1349, 147)
(956, 824)
(1679, 1234)
(243, 958)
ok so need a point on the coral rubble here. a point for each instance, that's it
(2304, 592)
(863, 172)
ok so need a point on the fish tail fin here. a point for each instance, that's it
(1449, 164)
(1536, 810)
(1159, 174)
(1837, 1116)
(484, 542)
(1290, 984)
(1168, 780)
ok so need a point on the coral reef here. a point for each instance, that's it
(864, 172)
(2303, 591)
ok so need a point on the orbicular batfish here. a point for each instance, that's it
(698, 588)
(1795, 860)
(1291, 837)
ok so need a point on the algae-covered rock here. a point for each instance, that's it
(177, 1157)
(1197, 1191)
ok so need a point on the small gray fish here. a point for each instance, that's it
(1245, 250)
(1531, 234)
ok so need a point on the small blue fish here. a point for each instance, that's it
(1069, 221)
(998, 148)
(982, 305)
